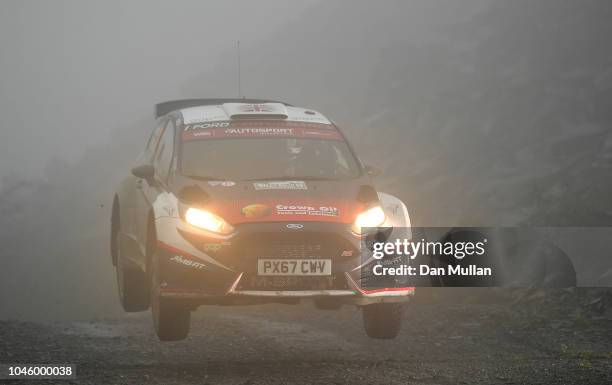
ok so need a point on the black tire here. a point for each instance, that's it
(383, 320)
(171, 319)
(131, 284)
(114, 238)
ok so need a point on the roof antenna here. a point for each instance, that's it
(239, 85)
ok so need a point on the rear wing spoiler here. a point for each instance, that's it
(162, 109)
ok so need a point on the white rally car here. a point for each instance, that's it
(248, 201)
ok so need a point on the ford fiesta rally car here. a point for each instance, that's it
(245, 202)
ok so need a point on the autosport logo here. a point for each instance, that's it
(218, 130)
(258, 131)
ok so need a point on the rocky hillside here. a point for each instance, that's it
(479, 112)
(507, 120)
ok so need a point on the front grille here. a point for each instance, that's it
(247, 249)
(293, 245)
(283, 250)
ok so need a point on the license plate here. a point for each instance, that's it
(270, 267)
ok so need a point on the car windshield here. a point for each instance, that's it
(268, 158)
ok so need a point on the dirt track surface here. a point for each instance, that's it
(275, 344)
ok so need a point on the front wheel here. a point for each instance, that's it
(171, 319)
(131, 284)
(383, 320)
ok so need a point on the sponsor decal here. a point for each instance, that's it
(284, 185)
(201, 134)
(202, 126)
(294, 226)
(289, 210)
(314, 119)
(271, 131)
(187, 262)
(225, 183)
(315, 211)
(256, 211)
(211, 246)
(215, 246)
(320, 134)
(264, 128)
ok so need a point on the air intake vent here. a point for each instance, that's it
(255, 111)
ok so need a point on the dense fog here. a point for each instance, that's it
(479, 112)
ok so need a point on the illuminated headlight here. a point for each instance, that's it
(207, 221)
(372, 217)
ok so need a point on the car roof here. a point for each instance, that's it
(235, 111)
(164, 108)
(211, 110)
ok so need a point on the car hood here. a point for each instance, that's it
(279, 201)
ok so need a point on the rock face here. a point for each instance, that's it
(510, 116)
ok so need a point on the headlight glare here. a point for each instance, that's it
(207, 221)
(372, 217)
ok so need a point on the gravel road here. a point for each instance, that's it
(441, 343)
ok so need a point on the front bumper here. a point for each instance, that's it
(206, 269)
(355, 295)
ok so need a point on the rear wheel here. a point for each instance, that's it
(114, 231)
(383, 320)
(171, 319)
(131, 283)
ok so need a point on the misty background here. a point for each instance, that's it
(480, 112)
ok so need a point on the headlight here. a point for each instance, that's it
(372, 217)
(207, 221)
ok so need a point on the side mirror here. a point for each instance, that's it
(372, 171)
(145, 171)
